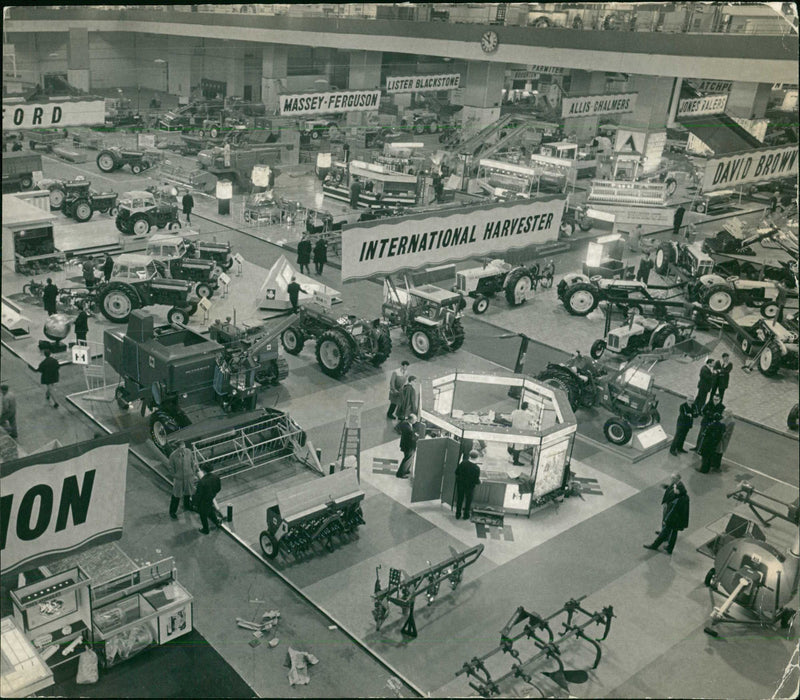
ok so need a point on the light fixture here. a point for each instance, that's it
(159, 60)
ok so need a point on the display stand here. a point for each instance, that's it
(142, 608)
(55, 614)
(24, 672)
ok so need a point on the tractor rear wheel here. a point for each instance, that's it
(56, 198)
(384, 348)
(664, 338)
(769, 362)
(140, 225)
(116, 304)
(718, 298)
(565, 386)
(293, 341)
(617, 431)
(665, 256)
(455, 338)
(106, 162)
(581, 300)
(82, 210)
(517, 287)
(334, 353)
(423, 342)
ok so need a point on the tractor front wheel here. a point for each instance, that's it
(292, 341)
(617, 431)
(480, 304)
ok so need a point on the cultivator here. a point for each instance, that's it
(403, 589)
(548, 646)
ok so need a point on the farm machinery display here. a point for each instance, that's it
(689, 258)
(429, 316)
(172, 369)
(77, 199)
(642, 334)
(580, 294)
(516, 282)
(627, 392)
(770, 344)
(720, 294)
(139, 211)
(185, 247)
(115, 158)
(340, 340)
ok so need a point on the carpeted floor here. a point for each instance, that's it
(187, 667)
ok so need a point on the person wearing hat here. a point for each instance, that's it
(468, 476)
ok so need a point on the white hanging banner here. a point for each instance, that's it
(750, 166)
(423, 83)
(330, 102)
(49, 114)
(714, 104)
(596, 105)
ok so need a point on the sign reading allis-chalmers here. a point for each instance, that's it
(330, 102)
(596, 105)
(423, 83)
(408, 243)
(50, 508)
(45, 114)
(750, 166)
(713, 104)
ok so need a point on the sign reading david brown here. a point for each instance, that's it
(596, 105)
(713, 104)
(44, 114)
(423, 83)
(425, 240)
(61, 501)
(750, 166)
(330, 102)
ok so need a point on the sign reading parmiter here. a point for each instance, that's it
(750, 166)
(330, 102)
(425, 240)
(595, 105)
(423, 83)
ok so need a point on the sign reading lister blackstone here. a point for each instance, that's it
(714, 104)
(425, 240)
(750, 166)
(423, 83)
(596, 105)
(330, 102)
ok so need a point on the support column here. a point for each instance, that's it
(274, 59)
(179, 77)
(78, 58)
(483, 86)
(365, 74)
(748, 100)
(234, 71)
(583, 82)
(652, 104)
(673, 106)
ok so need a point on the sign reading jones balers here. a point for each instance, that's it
(330, 102)
(408, 243)
(423, 83)
(75, 113)
(750, 166)
(595, 105)
(60, 502)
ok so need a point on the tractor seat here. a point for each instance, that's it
(732, 278)
(596, 278)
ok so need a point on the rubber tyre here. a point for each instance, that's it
(204, 290)
(769, 362)
(708, 580)
(159, 433)
(26, 182)
(560, 383)
(769, 310)
(567, 229)
(293, 341)
(700, 207)
(82, 211)
(116, 304)
(314, 134)
(173, 225)
(140, 225)
(458, 336)
(672, 186)
(746, 346)
(519, 284)
(584, 224)
(106, 162)
(541, 22)
(334, 353)
(718, 298)
(122, 404)
(597, 349)
(384, 348)
(419, 128)
(664, 338)
(228, 264)
(269, 545)
(178, 315)
(793, 418)
(113, 211)
(480, 304)
(665, 256)
(581, 300)
(213, 132)
(617, 431)
(56, 199)
(136, 168)
(423, 343)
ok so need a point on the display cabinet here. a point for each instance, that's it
(142, 608)
(55, 615)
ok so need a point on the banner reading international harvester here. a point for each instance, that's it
(423, 83)
(596, 105)
(61, 501)
(425, 240)
(330, 102)
(750, 166)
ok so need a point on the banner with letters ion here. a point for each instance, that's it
(426, 240)
(330, 102)
(750, 166)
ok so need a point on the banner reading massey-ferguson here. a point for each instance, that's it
(44, 114)
(596, 105)
(408, 243)
(423, 83)
(330, 102)
(750, 166)
(53, 504)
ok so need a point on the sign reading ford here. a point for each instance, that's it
(596, 105)
(714, 104)
(425, 240)
(24, 115)
(423, 83)
(750, 166)
(330, 102)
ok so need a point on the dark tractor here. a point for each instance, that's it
(139, 211)
(111, 159)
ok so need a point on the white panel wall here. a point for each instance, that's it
(112, 60)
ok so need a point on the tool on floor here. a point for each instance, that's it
(546, 643)
(403, 589)
(350, 443)
(268, 620)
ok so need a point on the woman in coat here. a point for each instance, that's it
(184, 479)
(320, 254)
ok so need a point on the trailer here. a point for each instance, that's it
(18, 170)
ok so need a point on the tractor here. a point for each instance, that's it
(720, 295)
(138, 212)
(643, 335)
(516, 282)
(76, 198)
(114, 158)
(691, 259)
(429, 316)
(136, 282)
(581, 294)
(626, 392)
(771, 345)
(340, 341)
(171, 247)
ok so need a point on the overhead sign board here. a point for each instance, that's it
(61, 501)
(330, 102)
(751, 166)
(712, 86)
(713, 104)
(423, 83)
(425, 240)
(48, 114)
(597, 105)
(630, 141)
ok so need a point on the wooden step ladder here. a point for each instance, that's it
(350, 443)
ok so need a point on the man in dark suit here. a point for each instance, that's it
(677, 220)
(723, 369)
(675, 514)
(207, 489)
(685, 423)
(49, 297)
(408, 445)
(294, 289)
(468, 476)
(705, 384)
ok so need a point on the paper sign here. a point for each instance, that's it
(80, 355)
(204, 304)
(224, 279)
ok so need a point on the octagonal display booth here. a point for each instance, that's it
(468, 411)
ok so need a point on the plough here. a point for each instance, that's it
(538, 630)
(403, 589)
